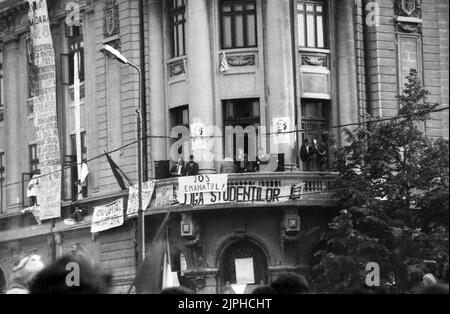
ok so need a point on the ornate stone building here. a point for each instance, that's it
(310, 65)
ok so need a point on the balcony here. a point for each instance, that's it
(277, 189)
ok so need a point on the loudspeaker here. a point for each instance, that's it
(162, 169)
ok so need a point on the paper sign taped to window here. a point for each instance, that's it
(245, 273)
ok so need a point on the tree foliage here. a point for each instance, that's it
(393, 186)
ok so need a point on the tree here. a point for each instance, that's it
(393, 188)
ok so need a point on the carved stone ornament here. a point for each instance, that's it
(241, 60)
(111, 24)
(177, 67)
(409, 27)
(314, 60)
(409, 8)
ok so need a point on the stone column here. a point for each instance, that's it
(346, 62)
(279, 70)
(199, 71)
(156, 79)
(15, 147)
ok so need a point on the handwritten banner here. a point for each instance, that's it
(164, 196)
(133, 197)
(107, 216)
(239, 194)
(42, 58)
(202, 184)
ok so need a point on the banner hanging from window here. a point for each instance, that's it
(45, 113)
(107, 217)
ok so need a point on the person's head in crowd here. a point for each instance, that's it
(71, 274)
(264, 290)
(191, 158)
(434, 289)
(429, 280)
(23, 274)
(178, 290)
(290, 283)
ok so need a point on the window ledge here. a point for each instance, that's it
(239, 50)
(314, 50)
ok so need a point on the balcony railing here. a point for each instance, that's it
(293, 189)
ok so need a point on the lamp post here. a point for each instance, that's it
(115, 54)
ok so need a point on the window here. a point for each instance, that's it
(74, 166)
(178, 27)
(311, 21)
(2, 90)
(76, 47)
(34, 160)
(314, 126)
(239, 28)
(180, 117)
(241, 113)
(2, 180)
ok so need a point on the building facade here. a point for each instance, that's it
(304, 66)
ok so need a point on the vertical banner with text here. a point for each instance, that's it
(45, 112)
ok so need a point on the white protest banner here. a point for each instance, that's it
(42, 60)
(202, 184)
(164, 196)
(107, 216)
(245, 273)
(239, 194)
(133, 197)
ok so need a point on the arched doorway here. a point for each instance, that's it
(2, 282)
(243, 263)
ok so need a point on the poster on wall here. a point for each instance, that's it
(281, 128)
(107, 216)
(245, 273)
(42, 60)
(133, 197)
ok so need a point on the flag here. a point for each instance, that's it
(149, 277)
(170, 279)
(118, 173)
(84, 172)
(224, 67)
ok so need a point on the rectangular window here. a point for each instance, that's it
(34, 160)
(311, 23)
(241, 113)
(239, 28)
(76, 47)
(2, 180)
(180, 117)
(2, 90)
(74, 166)
(177, 15)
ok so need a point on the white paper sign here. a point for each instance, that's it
(245, 273)
(107, 217)
(201, 184)
(281, 127)
(133, 197)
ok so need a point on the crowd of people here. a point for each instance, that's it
(31, 276)
(314, 155)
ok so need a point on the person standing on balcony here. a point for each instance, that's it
(179, 170)
(191, 167)
(306, 155)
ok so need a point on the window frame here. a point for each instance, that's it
(75, 44)
(34, 162)
(74, 165)
(245, 13)
(176, 11)
(2, 178)
(325, 21)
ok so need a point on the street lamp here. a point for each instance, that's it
(115, 54)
